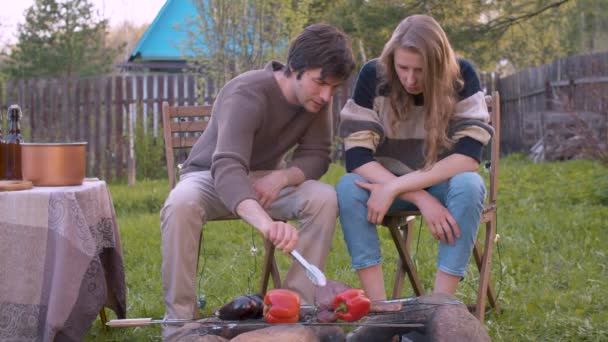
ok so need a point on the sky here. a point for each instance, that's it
(117, 11)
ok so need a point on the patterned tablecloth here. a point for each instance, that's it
(60, 261)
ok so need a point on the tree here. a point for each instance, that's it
(60, 38)
(232, 36)
(123, 38)
(4, 48)
(522, 32)
(369, 23)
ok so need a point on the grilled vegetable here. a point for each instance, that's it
(351, 305)
(281, 306)
(327, 316)
(243, 307)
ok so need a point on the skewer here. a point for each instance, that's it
(138, 322)
(399, 300)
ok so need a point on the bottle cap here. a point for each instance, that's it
(14, 112)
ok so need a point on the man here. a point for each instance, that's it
(236, 167)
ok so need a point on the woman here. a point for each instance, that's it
(413, 134)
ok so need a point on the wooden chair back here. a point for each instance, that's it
(401, 226)
(182, 125)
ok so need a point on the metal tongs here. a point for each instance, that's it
(313, 272)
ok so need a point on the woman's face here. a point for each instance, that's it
(409, 68)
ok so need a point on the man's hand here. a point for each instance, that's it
(441, 223)
(268, 187)
(282, 235)
(380, 199)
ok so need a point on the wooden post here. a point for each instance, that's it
(118, 124)
(131, 160)
(108, 138)
(97, 128)
(570, 95)
(548, 95)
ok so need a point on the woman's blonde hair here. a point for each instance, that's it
(423, 35)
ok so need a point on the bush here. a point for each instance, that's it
(150, 154)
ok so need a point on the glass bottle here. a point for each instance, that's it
(13, 142)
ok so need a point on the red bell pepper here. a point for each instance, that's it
(281, 306)
(351, 305)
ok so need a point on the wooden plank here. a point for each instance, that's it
(108, 174)
(21, 96)
(188, 126)
(31, 85)
(141, 109)
(118, 124)
(129, 95)
(96, 139)
(149, 103)
(85, 114)
(171, 90)
(139, 88)
(64, 110)
(192, 111)
(9, 93)
(77, 133)
(42, 110)
(159, 97)
(180, 96)
(128, 112)
(191, 97)
(53, 127)
(162, 89)
(180, 142)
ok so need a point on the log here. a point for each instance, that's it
(279, 333)
(441, 318)
(443, 322)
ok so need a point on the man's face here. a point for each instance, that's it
(312, 91)
(409, 67)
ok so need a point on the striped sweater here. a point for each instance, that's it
(365, 122)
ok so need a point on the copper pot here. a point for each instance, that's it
(54, 164)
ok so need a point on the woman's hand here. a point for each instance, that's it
(380, 199)
(439, 220)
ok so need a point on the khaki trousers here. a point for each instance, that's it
(194, 201)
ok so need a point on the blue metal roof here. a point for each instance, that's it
(166, 38)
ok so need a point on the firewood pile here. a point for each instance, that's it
(570, 136)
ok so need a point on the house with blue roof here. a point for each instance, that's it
(166, 46)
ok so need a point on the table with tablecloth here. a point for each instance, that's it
(60, 261)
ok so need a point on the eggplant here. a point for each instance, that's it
(327, 316)
(242, 307)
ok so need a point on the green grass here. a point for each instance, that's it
(549, 266)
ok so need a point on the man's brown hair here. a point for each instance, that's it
(321, 46)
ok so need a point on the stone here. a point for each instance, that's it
(207, 328)
(283, 333)
(329, 333)
(454, 323)
(442, 316)
(204, 338)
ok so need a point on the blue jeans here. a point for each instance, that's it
(463, 195)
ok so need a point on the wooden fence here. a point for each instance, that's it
(98, 111)
(103, 111)
(537, 97)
